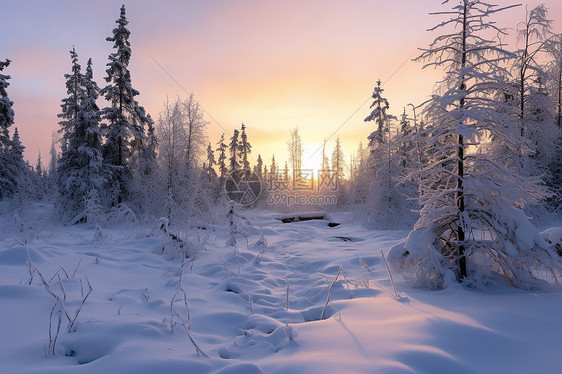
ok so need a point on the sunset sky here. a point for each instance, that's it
(271, 65)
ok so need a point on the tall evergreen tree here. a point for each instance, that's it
(18, 168)
(210, 163)
(71, 104)
(221, 161)
(125, 131)
(52, 160)
(380, 116)
(245, 148)
(258, 168)
(7, 186)
(81, 169)
(234, 148)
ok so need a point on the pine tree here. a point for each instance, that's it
(39, 165)
(18, 169)
(125, 132)
(81, 168)
(210, 163)
(258, 168)
(380, 116)
(468, 224)
(273, 169)
(7, 187)
(71, 104)
(245, 149)
(221, 161)
(234, 147)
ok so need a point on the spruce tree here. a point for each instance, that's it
(221, 161)
(258, 168)
(245, 148)
(18, 169)
(81, 169)
(7, 186)
(71, 104)
(234, 148)
(125, 131)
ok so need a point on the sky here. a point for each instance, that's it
(272, 65)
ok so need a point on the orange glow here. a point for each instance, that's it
(268, 64)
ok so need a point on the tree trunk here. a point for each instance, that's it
(460, 167)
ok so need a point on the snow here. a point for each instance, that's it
(238, 315)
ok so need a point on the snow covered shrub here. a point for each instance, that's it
(553, 236)
(507, 245)
(174, 245)
(122, 214)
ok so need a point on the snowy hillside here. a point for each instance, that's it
(272, 308)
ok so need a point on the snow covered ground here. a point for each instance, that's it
(257, 309)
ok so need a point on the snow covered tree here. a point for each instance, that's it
(125, 131)
(147, 188)
(273, 168)
(245, 148)
(380, 116)
(469, 228)
(258, 168)
(338, 162)
(233, 148)
(81, 168)
(554, 70)
(378, 194)
(71, 104)
(531, 34)
(296, 151)
(210, 163)
(221, 160)
(195, 138)
(53, 156)
(7, 186)
(181, 133)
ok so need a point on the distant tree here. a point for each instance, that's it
(338, 162)
(182, 144)
(380, 116)
(258, 168)
(210, 162)
(52, 158)
(195, 126)
(286, 172)
(221, 161)
(234, 147)
(245, 148)
(273, 168)
(296, 151)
